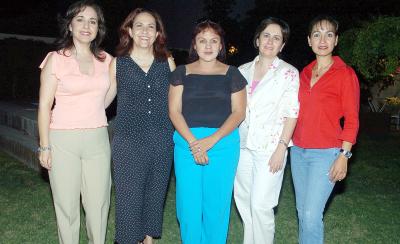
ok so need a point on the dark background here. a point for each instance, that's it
(20, 59)
(238, 17)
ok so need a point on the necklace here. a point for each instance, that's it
(318, 72)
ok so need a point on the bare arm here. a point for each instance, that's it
(277, 158)
(48, 86)
(179, 122)
(238, 103)
(112, 91)
(175, 112)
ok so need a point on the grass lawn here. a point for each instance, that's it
(364, 209)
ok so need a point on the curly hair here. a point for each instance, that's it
(65, 41)
(125, 44)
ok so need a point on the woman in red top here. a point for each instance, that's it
(329, 91)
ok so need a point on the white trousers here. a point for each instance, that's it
(256, 193)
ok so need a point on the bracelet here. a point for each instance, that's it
(283, 142)
(42, 149)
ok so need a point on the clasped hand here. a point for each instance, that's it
(200, 147)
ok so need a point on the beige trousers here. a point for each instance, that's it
(81, 167)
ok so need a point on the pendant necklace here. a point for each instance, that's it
(317, 72)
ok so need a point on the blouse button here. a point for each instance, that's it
(148, 86)
(149, 112)
(149, 100)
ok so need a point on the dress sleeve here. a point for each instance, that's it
(176, 77)
(238, 82)
(53, 64)
(108, 59)
(290, 95)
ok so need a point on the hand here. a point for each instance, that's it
(45, 159)
(276, 161)
(201, 158)
(202, 145)
(338, 170)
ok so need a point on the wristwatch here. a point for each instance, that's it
(345, 153)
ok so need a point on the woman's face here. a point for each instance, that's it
(323, 38)
(84, 26)
(270, 42)
(207, 45)
(144, 30)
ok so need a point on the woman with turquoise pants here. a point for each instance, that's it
(207, 102)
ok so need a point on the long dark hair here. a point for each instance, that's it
(200, 27)
(125, 44)
(65, 42)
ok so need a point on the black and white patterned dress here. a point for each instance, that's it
(142, 149)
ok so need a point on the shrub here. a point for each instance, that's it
(373, 49)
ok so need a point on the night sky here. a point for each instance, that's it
(179, 16)
(39, 17)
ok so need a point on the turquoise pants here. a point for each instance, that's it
(204, 192)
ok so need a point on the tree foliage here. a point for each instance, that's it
(373, 49)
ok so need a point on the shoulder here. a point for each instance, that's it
(180, 69)
(348, 75)
(234, 71)
(51, 56)
(245, 66)
(287, 67)
(63, 54)
(108, 57)
(171, 63)
(347, 68)
(52, 59)
(344, 70)
(235, 74)
(121, 60)
(176, 77)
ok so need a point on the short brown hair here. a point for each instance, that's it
(269, 21)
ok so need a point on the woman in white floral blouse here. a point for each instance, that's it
(271, 115)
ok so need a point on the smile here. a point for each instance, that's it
(85, 33)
